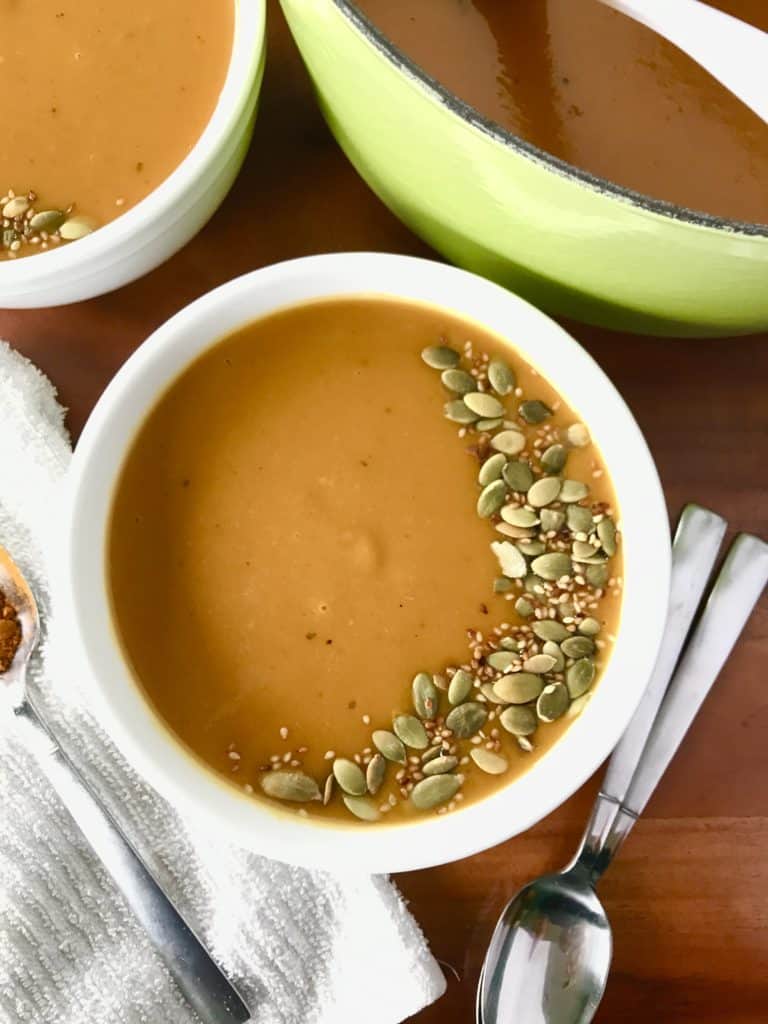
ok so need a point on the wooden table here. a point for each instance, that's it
(688, 898)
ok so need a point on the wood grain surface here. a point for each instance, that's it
(688, 897)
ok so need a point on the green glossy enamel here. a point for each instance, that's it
(489, 204)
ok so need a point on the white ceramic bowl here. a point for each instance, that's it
(148, 743)
(166, 219)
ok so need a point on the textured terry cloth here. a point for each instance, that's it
(304, 947)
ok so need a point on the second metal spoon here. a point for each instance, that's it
(550, 954)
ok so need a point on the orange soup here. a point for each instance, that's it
(110, 99)
(364, 561)
(598, 90)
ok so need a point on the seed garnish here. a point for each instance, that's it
(541, 665)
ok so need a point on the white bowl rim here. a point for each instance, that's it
(470, 115)
(148, 743)
(126, 233)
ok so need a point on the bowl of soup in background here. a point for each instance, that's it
(170, 202)
(575, 243)
(103, 459)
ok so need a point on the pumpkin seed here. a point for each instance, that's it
(483, 404)
(440, 357)
(440, 765)
(578, 705)
(349, 776)
(466, 719)
(501, 660)
(516, 532)
(410, 731)
(509, 643)
(519, 516)
(552, 520)
(606, 531)
(389, 745)
(491, 469)
(552, 703)
(573, 490)
(490, 694)
(554, 458)
(510, 442)
(518, 476)
(589, 627)
(532, 548)
(491, 498)
(520, 720)
(440, 681)
(580, 677)
(458, 380)
(548, 629)
(511, 560)
(551, 648)
(566, 610)
(488, 762)
(457, 412)
(534, 412)
(501, 585)
(539, 663)
(460, 687)
(583, 552)
(361, 807)
(577, 435)
(597, 576)
(432, 753)
(374, 773)
(437, 790)
(544, 491)
(76, 227)
(534, 584)
(518, 688)
(295, 786)
(552, 566)
(426, 699)
(598, 558)
(501, 377)
(489, 425)
(523, 607)
(579, 519)
(15, 207)
(578, 647)
(47, 220)
(328, 790)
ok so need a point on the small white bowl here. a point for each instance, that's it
(149, 744)
(149, 233)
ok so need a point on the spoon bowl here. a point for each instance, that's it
(18, 594)
(550, 954)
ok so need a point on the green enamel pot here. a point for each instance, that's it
(571, 243)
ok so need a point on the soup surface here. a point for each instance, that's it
(110, 98)
(299, 531)
(598, 90)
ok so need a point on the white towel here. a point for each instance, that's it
(304, 947)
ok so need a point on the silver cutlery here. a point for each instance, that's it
(550, 954)
(203, 984)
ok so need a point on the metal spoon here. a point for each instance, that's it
(201, 981)
(550, 954)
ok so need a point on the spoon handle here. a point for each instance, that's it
(731, 50)
(202, 982)
(737, 590)
(694, 552)
(697, 541)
